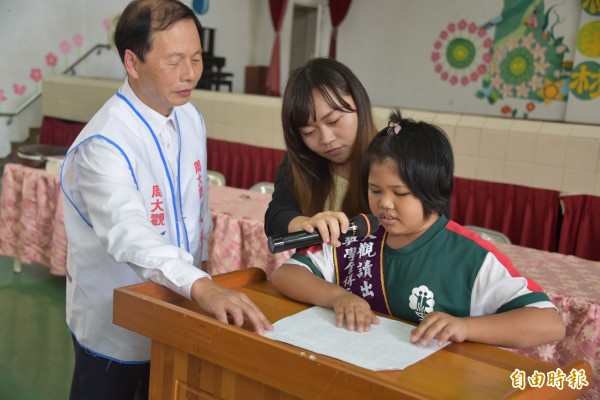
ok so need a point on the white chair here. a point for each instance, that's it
(216, 178)
(263, 187)
(489, 234)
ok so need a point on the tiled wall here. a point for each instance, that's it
(549, 155)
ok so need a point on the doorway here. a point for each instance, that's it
(304, 35)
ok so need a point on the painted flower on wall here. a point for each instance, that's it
(78, 42)
(528, 60)
(551, 91)
(107, 23)
(19, 89)
(36, 76)
(65, 48)
(2, 98)
(461, 53)
(510, 112)
(51, 59)
(506, 110)
(518, 67)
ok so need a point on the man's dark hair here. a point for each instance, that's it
(142, 18)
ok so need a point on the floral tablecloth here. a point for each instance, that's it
(573, 285)
(238, 239)
(32, 224)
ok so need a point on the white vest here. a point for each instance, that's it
(92, 273)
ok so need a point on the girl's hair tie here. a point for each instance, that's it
(394, 128)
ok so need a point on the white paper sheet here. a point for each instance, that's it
(385, 347)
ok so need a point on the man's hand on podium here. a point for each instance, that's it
(228, 306)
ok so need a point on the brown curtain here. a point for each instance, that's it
(580, 230)
(528, 216)
(337, 11)
(277, 8)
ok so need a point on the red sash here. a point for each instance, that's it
(359, 269)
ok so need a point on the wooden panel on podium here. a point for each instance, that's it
(197, 357)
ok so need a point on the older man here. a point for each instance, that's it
(137, 201)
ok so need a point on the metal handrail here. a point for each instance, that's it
(20, 108)
(97, 48)
(70, 70)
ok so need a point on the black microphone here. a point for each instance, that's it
(360, 225)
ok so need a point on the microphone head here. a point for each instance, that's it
(365, 224)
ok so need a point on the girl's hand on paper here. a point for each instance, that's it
(354, 312)
(440, 326)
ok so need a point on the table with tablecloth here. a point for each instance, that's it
(573, 285)
(238, 240)
(32, 230)
(31, 218)
(32, 224)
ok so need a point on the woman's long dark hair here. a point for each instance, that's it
(312, 174)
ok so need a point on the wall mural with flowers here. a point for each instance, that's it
(528, 59)
(42, 40)
(56, 61)
(519, 55)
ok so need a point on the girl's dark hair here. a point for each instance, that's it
(141, 18)
(312, 174)
(423, 157)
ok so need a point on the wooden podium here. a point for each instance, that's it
(196, 357)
